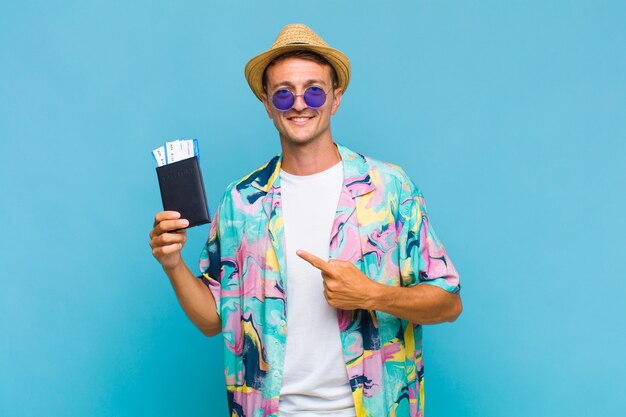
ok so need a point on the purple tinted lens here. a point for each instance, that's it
(314, 97)
(283, 99)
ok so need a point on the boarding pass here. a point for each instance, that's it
(175, 151)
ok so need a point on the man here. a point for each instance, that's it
(321, 265)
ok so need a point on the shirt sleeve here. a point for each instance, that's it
(210, 262)
(423, 259)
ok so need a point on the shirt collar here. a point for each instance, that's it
(356, 176)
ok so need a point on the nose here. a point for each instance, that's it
(299, 104)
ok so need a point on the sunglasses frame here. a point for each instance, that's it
(300, 95)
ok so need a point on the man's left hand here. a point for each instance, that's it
(345, 286)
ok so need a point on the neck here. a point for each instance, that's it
(309, 158)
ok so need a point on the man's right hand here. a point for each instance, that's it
(194, 296)
(165, 243)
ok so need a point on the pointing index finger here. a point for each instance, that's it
(317, 262)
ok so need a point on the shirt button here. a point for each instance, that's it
(276, 373)
(283, 323)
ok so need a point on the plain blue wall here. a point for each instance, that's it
(510, 116)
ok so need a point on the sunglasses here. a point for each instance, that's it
(314, 97)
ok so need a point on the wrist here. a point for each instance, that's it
(173, 270)
(377, 297)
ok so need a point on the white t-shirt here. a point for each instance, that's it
(315, 381)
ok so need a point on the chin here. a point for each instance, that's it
(300, 140)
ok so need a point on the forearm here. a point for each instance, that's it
(196, 299)
(420, 304)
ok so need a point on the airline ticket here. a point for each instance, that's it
(175, 151)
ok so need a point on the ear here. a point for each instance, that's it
(337, 95)
(267, 105)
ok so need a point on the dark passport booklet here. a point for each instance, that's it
(182, 190)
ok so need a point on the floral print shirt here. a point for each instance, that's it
(381, 226)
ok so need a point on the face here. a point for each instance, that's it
(301, 124)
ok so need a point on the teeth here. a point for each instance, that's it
(299, 119)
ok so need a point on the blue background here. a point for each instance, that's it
(510, 116)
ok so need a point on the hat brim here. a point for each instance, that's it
(256, 66)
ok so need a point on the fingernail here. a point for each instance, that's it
(184, 223)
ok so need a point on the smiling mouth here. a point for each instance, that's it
(299, 119)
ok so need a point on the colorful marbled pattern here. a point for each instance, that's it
(382, 227)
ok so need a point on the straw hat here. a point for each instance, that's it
(296, 37)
